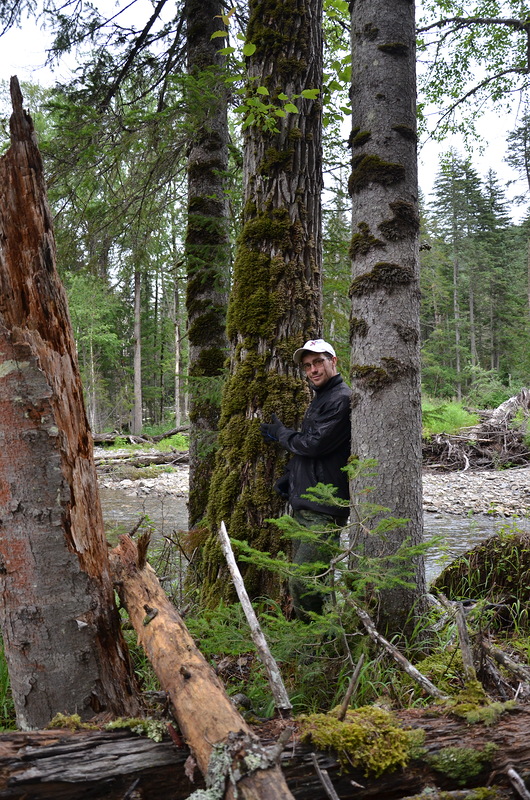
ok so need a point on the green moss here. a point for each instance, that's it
(276, 161)
(404, 223)
(406, 132)
(369, 739)
(274, 227)
(271, 27)
(370, 31)
(206, 206)
(358, 328)
(407, 333)
(373, 169)
(363, 242)
(295, 133)
(71, 722)
(385, 276)
(287, 67)
(358, 137)
(497, 569)
(210, 363)
(394, 49)
(154, 729)
(204, 326)
(462, 764)
(376, 378)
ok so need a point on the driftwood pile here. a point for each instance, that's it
(496, 442)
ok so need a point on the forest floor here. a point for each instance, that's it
(500, 493)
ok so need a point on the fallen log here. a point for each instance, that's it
(110, 438)
(208, 720)
(111, 462)
(64, 765)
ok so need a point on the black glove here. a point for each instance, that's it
(271, 430)
(282, 486)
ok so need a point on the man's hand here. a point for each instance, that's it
(271, 430)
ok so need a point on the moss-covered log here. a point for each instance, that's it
(61, 765)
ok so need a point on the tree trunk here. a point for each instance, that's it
(60, 625)
(137, 418)
(207, 243)
(205, 714)
(275, 303)
(386, 418)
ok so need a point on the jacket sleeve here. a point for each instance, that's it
(326, 431)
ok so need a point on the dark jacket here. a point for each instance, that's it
(320, 449)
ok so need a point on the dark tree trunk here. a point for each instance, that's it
(61, 632)
(386, 418)
(275, 303)
(207, 242)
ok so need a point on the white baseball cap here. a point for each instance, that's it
(313, 346)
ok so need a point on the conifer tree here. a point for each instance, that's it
(275, 301)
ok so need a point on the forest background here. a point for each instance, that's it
(120, 199)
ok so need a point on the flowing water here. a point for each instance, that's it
(169, 513)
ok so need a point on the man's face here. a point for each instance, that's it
(319, 368)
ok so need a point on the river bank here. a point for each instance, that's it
(497, 493)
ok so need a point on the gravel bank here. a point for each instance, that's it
(503, 494)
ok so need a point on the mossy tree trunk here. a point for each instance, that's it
(385, 371)
(275, 303)
(207, 242)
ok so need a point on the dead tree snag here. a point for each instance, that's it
(59, 622)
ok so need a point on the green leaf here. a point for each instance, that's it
(282, 96)
(219, 34)
(227, 51)
(280, 112)
(249, 49)
(291, 108)
(310, 94)
(262, 90)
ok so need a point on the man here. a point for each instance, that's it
(319, 450)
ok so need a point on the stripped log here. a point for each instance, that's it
(208, 720)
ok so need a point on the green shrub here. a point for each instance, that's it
(445, 418)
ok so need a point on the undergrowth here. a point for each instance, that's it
(447, 418)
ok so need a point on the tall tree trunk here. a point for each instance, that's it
(275, 304)
(456, 315)
(207, 243)
(59, 621)
(386, 417)
(137, 417)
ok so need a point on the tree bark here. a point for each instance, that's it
(60, 626)
(207, 242)
(275, 302)
(386, 417)
(202, 708)
(137, 410)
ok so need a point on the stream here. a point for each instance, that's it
(459, 533)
